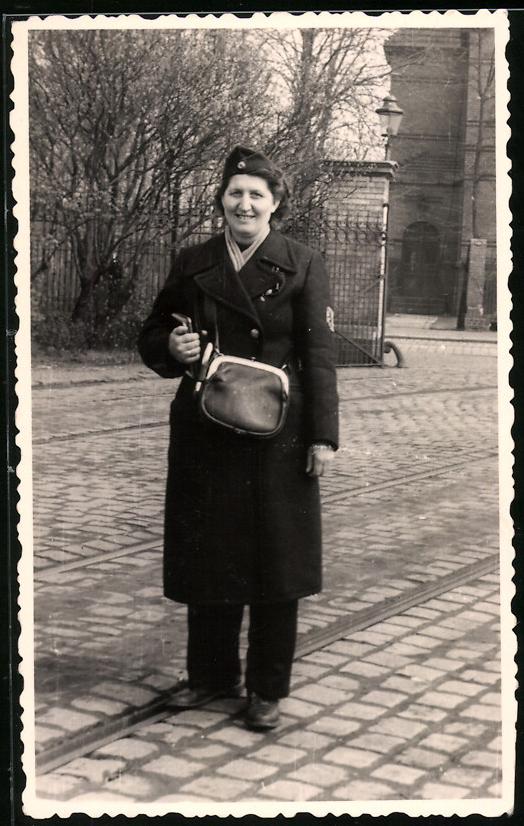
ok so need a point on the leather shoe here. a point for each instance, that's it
(200, 695)
(262, 714)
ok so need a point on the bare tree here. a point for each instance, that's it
(121, 124)
(128, 130)
(329, 82)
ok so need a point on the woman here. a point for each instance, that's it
(242, 522)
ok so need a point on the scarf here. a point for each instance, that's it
(240, 257)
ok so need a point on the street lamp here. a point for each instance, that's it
(390, 115)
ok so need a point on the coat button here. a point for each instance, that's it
(254, 333)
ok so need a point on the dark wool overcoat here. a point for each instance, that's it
(242, 518)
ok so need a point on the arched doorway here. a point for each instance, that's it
(417, 285)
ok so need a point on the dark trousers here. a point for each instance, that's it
(213, 647)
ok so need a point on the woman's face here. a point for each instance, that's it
(248, 205)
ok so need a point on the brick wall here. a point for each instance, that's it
(435, 77)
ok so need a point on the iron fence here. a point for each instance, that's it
(351, 244)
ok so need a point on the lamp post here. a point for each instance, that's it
(390, 115)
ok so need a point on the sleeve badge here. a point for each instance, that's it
(330, 318)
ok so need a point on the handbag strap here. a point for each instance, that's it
(210, 312)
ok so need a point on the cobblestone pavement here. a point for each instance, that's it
(408, 709)
(416, 472)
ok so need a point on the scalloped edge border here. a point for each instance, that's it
(498, 21)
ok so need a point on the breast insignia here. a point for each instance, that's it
(330, 318)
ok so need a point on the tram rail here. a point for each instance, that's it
(48, 574)
(158, 709)
(43, 440)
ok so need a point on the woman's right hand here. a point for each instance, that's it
(184, 346)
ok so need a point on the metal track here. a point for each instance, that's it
(81, 434)
(45, 575)
(312, 641)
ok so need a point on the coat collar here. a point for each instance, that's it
(269, 266)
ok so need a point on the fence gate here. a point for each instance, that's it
(354, 250)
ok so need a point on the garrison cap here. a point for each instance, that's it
(245, 161)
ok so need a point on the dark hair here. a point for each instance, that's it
(277, 185)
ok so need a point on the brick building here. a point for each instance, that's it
(444, 192)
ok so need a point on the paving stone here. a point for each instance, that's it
(443, 742)
(290, 790)
(440, 632)
(57, 786)
(417, 711)
(364, 790)
(67, 720)
(421, 673)
(360, 711)
(350, 649)
(278, 754)
(442, 699)
(463, 654)
(235, 736)
(389, 699)
(439, 791)
(460, 687)
(325, 658)
(380, 743)
(482, 677)
(309, 670)
(421, 758)
(336, 726)
(44, 734)
(398, 774)
(207, 752)
(103, 797)
(491, 698)
(340, 681)
(99, 705)
(111, 611)
(411, 651)
(201, 717)
(181, 798)
(244, 769)
(318, 693)
(481, 712)
(310, 740)
(479, 758)
(132, 786)
(356, 758)
(156, 729)
(96, 771)
(299, 708)
(129, 748)
(421, 641)
(217, 788)
(399, 727)
(443, 664)
(404, 685)
(371, 637)
(319, 774)
(360, 668)
(387, 659)
(174, 767)
(407, 621)
(131, 695)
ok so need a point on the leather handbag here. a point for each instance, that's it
(248, 397)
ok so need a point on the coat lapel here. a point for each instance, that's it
(266, 270)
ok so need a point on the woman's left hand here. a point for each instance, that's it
(319, 457)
